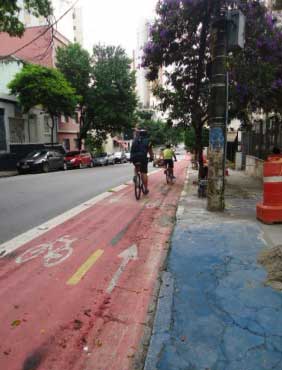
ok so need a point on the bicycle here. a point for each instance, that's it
(138, 182)
(169, 174)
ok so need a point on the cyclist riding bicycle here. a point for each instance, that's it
(168, 155)
(140, 148)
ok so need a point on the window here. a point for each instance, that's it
(66, 144)
(17, 133)
(46, 125)
(75, 143)
(3, 144)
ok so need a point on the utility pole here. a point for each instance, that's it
(228, 32)
(217, 114)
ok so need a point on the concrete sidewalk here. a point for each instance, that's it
(219, 308)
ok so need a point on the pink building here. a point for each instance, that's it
(38, 45)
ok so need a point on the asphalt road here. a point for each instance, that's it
(27, 201)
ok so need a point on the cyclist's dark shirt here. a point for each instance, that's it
(140, 148)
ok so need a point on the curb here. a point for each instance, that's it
(4, 174)
(162, 321)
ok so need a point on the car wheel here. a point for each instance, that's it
(45, 168)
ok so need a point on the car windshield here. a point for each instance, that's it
(36, 153)
(72, 154)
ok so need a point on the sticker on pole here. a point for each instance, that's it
(216, 138)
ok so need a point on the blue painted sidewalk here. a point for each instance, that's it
(214, 310)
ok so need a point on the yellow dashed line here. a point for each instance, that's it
(75, 279)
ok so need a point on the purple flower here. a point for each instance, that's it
(277, 84)
(164, 34)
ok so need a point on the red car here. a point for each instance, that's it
(78, 159)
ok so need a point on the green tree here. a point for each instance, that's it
(75, 64)
(113, 91)
(160, 132)
(9, 14)
(36, 85)
(190, 138)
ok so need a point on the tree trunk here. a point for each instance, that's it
(52, 130)
(81, 134)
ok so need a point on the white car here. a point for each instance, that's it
(120, 157)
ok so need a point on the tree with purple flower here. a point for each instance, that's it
(180, 43)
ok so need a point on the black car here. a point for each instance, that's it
(41, 160)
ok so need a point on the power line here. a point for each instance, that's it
(43, 33)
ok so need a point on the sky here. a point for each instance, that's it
(114, 22)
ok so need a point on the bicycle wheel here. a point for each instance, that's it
(138, 186)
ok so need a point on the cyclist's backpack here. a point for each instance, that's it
(139, 148)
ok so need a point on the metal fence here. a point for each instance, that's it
(264, 136)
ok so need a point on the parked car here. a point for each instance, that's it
(78, 159)
(111, 158)
(41, 160)
(101, 159)
(120, 157)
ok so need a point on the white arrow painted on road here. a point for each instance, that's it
(130, 253)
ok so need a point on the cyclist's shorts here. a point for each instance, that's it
(143, 164)
(168, 163)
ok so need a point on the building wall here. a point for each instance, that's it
(69, 25)
(68, 130)
(108, 146)
(142, 85)
(77, 25)
(8, 111)
(37, 52)
(7, 73)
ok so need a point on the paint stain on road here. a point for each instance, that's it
(33, 361)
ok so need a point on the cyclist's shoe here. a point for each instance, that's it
(174, 177)
(146, 192)
(134, 179)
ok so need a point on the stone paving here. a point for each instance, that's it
(219, 313)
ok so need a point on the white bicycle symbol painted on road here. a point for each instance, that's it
(54, 252)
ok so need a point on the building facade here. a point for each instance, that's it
(68, 18)
(34, 128)
(142, 85)
(144, 88)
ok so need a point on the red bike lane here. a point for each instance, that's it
(77, 297)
